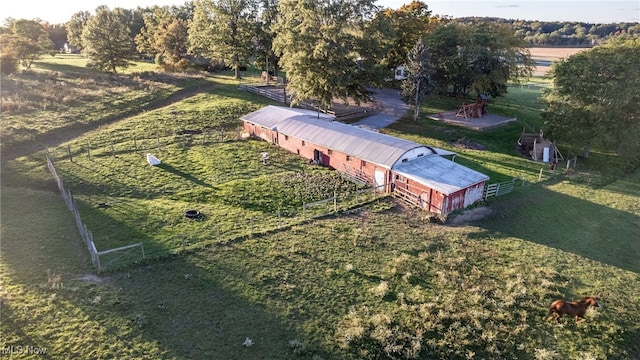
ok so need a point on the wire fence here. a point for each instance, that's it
(223, 230)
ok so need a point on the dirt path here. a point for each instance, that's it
(61, 135)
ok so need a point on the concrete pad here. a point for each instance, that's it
(487, 121)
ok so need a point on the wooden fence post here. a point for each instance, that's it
(69, 151)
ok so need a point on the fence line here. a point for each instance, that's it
(85, 233)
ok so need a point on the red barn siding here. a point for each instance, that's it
(437, 202)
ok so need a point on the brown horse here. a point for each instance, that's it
(573, 308)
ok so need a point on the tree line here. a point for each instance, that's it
(327, 49)
(332, 50)
(554, 33)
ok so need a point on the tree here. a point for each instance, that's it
(496, 57)
(419, 82)
(481, 56)
(265, 56)
(28, 39)
(171, 41)
(224, 30)
(329, 49)
(595, 100)
(75, 26)
(107, 41)
(153, 20)
(410, 23)
(8, 57)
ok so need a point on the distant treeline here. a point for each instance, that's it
(544, 33)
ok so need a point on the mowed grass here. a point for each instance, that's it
(383, 283)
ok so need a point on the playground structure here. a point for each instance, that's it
(474, 110)
(539, 148)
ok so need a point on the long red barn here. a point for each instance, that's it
(418, 173)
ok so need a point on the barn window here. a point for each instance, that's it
(303, 143)
(348, 158)
(363, 163)
(329, 151)
(405, 160)
(419, 155)
(286, 137)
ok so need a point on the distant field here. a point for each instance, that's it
(554, 53)
(544, 56)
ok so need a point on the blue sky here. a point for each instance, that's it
(601, 11)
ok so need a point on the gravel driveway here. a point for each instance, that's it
(393, 108)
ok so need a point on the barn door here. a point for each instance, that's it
(317, 156)
(378, 178)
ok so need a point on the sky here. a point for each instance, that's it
(601, 11)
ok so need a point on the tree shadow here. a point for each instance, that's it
(567, 223)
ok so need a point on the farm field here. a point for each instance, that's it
(545, 56)
(382, 282)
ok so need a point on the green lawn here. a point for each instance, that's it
(380, 283)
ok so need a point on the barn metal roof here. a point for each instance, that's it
(440, 174)
(367, 145)
(270, 116)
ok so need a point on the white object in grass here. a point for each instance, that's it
(152, 160)
(247, 342)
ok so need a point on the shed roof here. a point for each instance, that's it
(367, 145)
(440, 174)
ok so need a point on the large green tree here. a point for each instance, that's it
(595, 100)
(481, 57)
(224, 30)
(75, 26)
(329, 49)
(107, 41)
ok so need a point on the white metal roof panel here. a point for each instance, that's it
(367, 145)
(439, 173)
(270, 116)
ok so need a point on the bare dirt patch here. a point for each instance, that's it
(464, 143)
(470, 215)
(94, 279)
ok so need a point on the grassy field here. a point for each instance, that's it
(384, 282)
